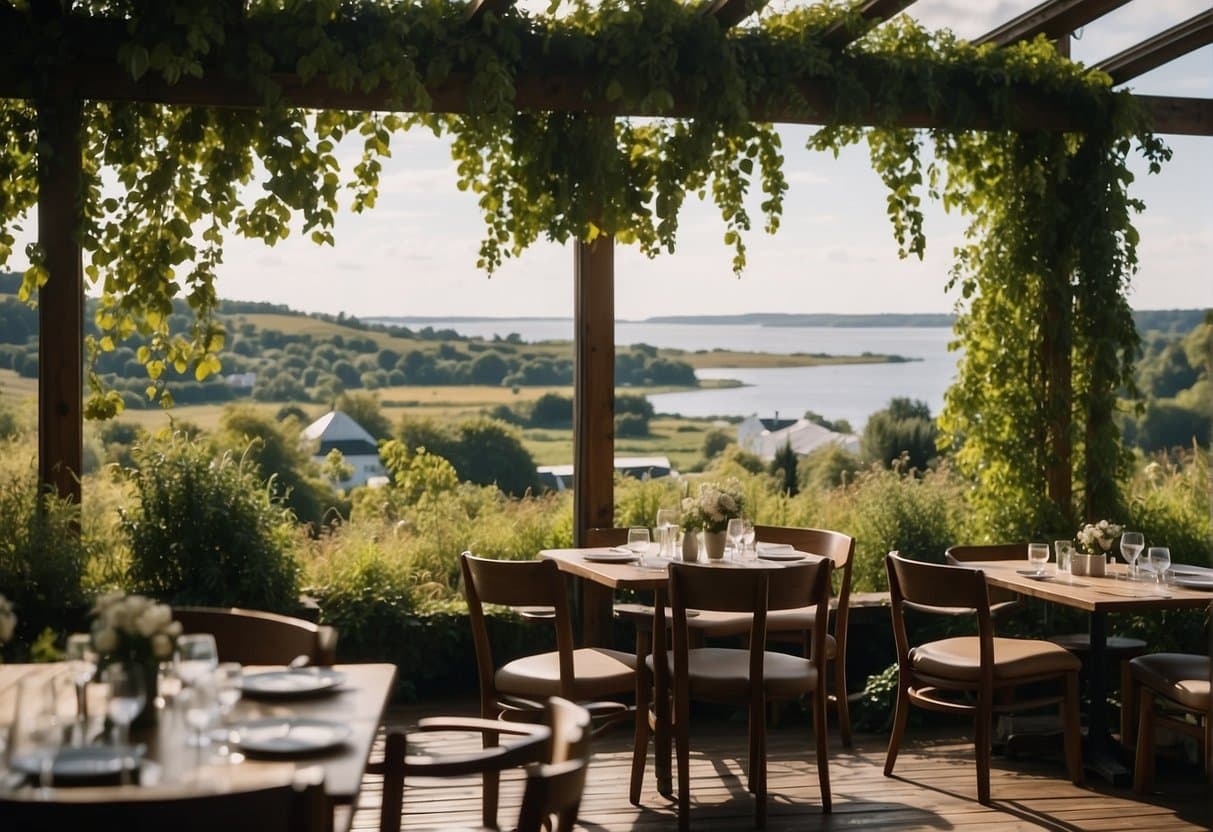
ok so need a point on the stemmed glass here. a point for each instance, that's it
(1131, 544)
(735, 532)
(82, 665)
(1160, 562)
(200, 704)
(747, 538)
(127, 697)
(197, 656)
(1038, 556)
(667, 531)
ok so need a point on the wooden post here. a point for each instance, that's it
(61, 300)
(594, 386)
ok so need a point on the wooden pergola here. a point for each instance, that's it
(92, 73)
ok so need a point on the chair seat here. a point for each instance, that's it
(724, 624)
(957, 659)
(597, 672)
(1181, 677)
(722, 672)
(1116, 646)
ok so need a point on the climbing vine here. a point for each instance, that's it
(166, 186)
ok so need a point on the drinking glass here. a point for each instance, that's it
(735, 531)
(199, 703)
(747, 539)
(638, 539)
(667, 531)
(1131, 544)
(36, 727)
(82, 665)
(228, 678)
(1160, 562)
(1038, 556)
(127, 697)
(1065, 551)
(197, 656)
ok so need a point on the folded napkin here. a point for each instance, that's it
(775, 547)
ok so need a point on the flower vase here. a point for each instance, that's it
(714, 543)
(690, 545)
(151, 685)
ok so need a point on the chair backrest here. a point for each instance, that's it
(602, 536)
(254, 637)
(515, 583)
(754, 590)
(966, 553)
(838, 547)
(931, 587)
(288, 807)
(553, 790)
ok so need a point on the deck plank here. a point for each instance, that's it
(934, 787)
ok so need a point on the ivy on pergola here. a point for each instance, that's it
(592, 125)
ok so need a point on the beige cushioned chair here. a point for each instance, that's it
(1181, 682)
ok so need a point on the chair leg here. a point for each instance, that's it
(682, 740)
(1072, 731)
(640, 742)
(820, 723)
(758, 760)
(492, 784)
(1143, 767)
(900, 715)
(840, 696)
(982, 728)
(1128, 706)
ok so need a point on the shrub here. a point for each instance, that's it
(207, 531)
(904, 428)
(631, 425)
(714, 443)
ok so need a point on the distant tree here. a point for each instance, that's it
(387, 358)
(552, 410)
(335, 469)
(347, 373)
(631, 426)
(783, 467)
(489, 368)
(488, 451)
(826, 467)
(714, 443)
(904, 427)
(640, 405)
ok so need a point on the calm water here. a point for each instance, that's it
(846, 392)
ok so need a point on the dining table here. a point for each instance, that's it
(1098, 597)
(604, 570)
(356, 702)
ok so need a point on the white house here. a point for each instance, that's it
(335, 430)
(765, 437)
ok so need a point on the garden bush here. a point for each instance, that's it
(208, 531)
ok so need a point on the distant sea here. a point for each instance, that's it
(850, 392)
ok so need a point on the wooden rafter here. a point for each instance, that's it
(1054, 19)
(477, 9)
(873, 12)
(729, 13)
(1163, 48)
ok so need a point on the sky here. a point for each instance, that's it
(415, 253)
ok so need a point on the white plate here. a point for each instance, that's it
(289, 736)
(781, 554)
(775, 547)
(1203, 572)
(1194, 582)
(89, 762)
(304, 681)
(612, 557)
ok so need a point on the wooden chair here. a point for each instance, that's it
(291, 807)
(750, 676)
(254, 637)
(1180, 682)
(557, 751)
(937, 674)
(1003, 602)
(516, 691)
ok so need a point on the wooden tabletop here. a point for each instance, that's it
(634, 575)
(1112, 593)
(359, 704)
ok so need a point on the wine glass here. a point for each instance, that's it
(199, 703)
(1038, 556)
(228, 678)
(1160, 562)
(735, 531)
(667, 531)
(747, 538)
(197, 656)
(82, 666)
(638, 539)
(127, 698)
(1131, 544)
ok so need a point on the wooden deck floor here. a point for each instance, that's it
(934, 788)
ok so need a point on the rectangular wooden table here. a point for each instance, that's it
(358, 704)
(1098, 597)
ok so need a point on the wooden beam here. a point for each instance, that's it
(873, 13)
(593, 386)
(1179, 116)
(61, 299)
(729, 13)
(477, 9)
(1054, 19)
(1179, 40)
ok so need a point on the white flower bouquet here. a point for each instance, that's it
(1097, 538)
(133, 628)
(8, 620)
(716, 504)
